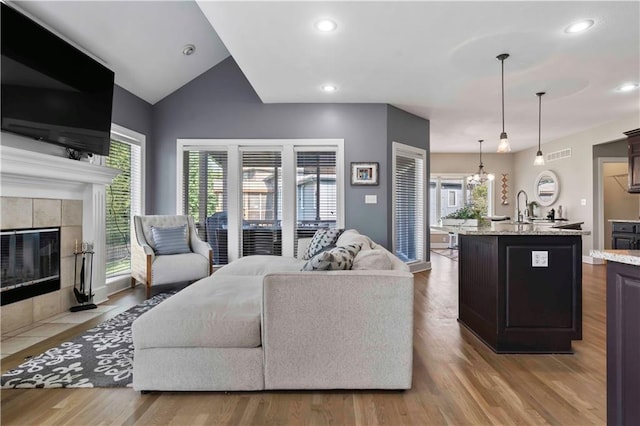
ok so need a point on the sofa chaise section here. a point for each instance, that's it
(261, 323)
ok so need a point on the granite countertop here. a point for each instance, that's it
(509, 228)
(625, 220)
(630, 257)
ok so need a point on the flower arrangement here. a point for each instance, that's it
(468, 211)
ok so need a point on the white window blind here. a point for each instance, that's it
(409, 204)
(261, 202)
(205, 197)
(123, 200)
(316, 192)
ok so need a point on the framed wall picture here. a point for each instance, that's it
(365, 173)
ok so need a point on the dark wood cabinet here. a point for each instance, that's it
(513, 306)
(625, 236)
(623, 344)
(634, 160)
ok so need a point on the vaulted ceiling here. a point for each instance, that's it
(434, 59)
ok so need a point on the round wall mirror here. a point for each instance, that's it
(547, 188)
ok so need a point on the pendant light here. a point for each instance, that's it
(481, 176)
(503, 146)
(539, 161)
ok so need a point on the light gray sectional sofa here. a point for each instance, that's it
(261, 323)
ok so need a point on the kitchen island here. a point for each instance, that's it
(623, 335)
(520, 285)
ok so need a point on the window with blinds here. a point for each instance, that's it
(205, 198)
(261, 202)
(123, 200)
(409, 203)
(316, 192)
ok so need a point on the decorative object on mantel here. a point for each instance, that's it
(73, 154)
(505, 192)
(481, 176)
(365, 173)
(539, 161)
(503, 146)
(100, 358)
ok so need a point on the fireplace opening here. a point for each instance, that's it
(30, 263)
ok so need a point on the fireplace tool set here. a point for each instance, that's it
(82, 286)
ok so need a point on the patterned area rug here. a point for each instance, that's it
(101, 358)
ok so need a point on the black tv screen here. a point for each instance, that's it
(51, 91)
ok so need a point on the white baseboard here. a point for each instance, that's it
(100, 294)
(592, 261)
(119, 283)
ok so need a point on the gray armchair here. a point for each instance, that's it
(153, 269)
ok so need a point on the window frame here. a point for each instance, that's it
(131, 137)
(436, 203)
(288, 147)
(408, 150)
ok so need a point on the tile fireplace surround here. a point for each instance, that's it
(44, 190)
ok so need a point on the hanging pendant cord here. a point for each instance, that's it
(539, 118)
(502, 64)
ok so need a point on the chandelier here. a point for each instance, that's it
(481, 176)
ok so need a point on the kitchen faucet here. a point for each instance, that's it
(521, 215)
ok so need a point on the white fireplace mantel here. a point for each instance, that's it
(32, 174)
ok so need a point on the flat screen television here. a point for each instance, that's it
(51, 91)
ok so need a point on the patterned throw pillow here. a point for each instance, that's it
(336, 259)
(322, 238)
(170, 240)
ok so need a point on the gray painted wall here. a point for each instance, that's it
(412, 130)
(611, 149)
(131, 112)
(221, 104)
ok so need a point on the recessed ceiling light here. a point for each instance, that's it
(188, 49)
(329, 88)
(326, 25)
(627, 87)
(580, 26)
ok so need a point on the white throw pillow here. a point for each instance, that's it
(376, 259)
(351, 236)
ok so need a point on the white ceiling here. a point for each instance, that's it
(434, 59)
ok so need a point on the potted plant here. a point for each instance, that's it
(467, 215)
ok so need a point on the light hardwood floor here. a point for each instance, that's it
(456, 380)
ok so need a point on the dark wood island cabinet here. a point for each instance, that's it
(520, 286)
(623, 335)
